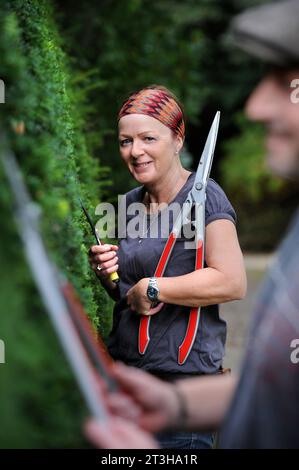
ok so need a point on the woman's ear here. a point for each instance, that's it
(179, 144)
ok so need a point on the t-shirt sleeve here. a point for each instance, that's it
(218, 205)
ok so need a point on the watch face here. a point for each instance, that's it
(152, 293)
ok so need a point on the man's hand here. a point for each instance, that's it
(116, 433)
(142, 406)
(156, 405)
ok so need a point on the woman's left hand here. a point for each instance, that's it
(138, 300)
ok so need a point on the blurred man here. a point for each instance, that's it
(260, 410)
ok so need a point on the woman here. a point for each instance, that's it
(151, 135)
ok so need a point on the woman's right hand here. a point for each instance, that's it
(105, 257)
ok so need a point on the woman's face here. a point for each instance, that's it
(148, 148)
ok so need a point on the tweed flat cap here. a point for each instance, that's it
(269, 32)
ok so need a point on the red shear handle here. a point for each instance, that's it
(143, 337)
(194, 315)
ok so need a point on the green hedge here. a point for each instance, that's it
(43, 119)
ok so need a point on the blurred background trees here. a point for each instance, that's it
(67, 67)
(121, 46)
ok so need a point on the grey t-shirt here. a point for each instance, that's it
(264, 411)
(168, 327)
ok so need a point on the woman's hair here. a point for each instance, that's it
(158, 102)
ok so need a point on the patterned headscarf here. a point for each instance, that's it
(159, 104)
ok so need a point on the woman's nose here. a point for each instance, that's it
(136, 149)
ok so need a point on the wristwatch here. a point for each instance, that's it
(153, 290)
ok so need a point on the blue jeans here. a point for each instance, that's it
(185, 440)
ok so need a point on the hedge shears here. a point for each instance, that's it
(196, 198)
(113, 276)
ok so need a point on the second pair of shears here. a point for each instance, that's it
(196, 198)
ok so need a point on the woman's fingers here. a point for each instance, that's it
(107, 264)
(105, 271)
(110, 270)
(156, 309)
(103, 248)
(105, 257)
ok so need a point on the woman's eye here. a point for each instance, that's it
(124, 142)
(149, 139)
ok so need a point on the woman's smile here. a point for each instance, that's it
(140, 167)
